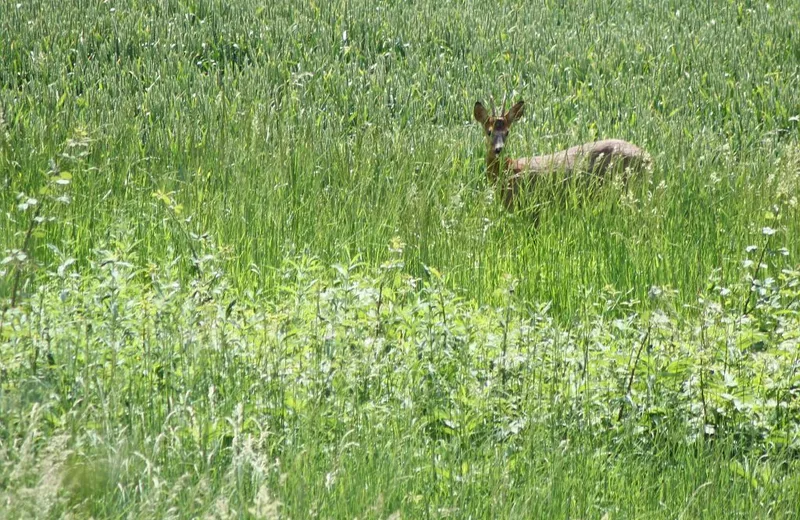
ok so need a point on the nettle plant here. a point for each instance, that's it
(30, 214)
(747, 364)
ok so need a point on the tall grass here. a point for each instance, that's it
(252, 267)
(292, 126)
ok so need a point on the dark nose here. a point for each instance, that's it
(498, 148)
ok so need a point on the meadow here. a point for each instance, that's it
(252, 266)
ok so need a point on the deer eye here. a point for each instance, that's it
(488, 132)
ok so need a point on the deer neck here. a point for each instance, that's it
(492, 165)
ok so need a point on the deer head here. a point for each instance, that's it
(497, 126)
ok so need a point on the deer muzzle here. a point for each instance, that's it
(498, 142)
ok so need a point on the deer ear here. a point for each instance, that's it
(479, 113)
(515, 112)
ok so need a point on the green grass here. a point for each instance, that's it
(225, 223)
(289, 127)
(126, 393)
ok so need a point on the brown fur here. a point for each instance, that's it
(595, 158)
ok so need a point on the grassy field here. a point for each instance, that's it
(252, 266)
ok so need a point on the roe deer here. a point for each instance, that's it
(595, 158)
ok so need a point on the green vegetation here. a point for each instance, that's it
(252, 268)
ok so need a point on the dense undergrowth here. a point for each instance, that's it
(368, 392)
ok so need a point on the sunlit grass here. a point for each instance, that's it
(290, 126)
(251, 262)
(363, 393)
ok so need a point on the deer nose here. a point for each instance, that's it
(498, 142)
